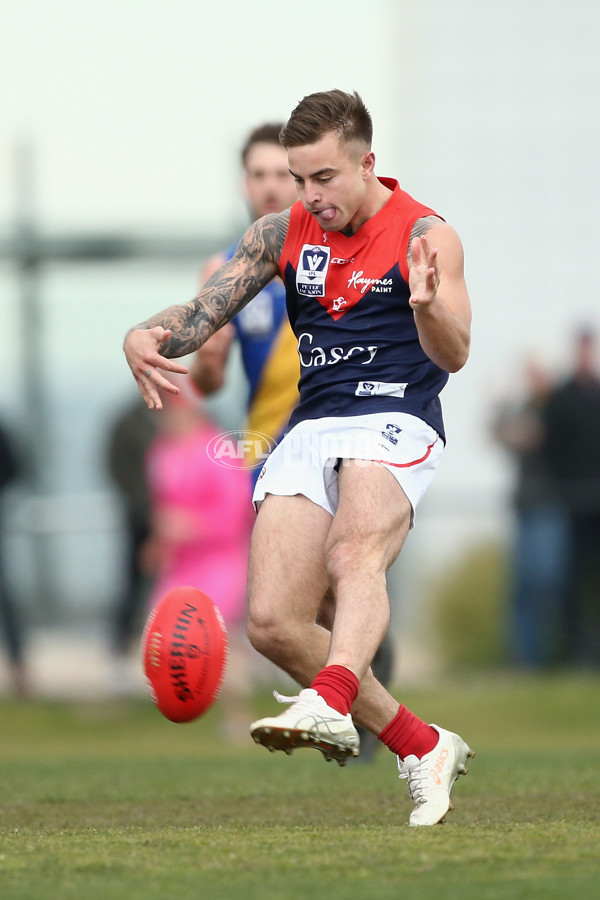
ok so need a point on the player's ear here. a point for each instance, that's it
(368, 164)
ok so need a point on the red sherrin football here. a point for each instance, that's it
(184, 653)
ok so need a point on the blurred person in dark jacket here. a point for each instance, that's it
(572, 447)
(130, 435)
(10, 624)
(539, 554)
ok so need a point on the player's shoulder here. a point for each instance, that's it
(279, 220)
(437, 230)
(269, 232)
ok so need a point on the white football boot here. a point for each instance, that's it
(309, 722)
(430, 779)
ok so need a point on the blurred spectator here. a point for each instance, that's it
(572, 423)
(10, 624)
(540, 549)
(129, 438)
(201, 523)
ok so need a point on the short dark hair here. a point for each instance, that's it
(263, 134)
(319, 114)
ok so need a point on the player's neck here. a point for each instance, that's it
(375, 199)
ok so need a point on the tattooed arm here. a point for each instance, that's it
(439, 296)
(181, 329)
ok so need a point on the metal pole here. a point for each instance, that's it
(28, 258)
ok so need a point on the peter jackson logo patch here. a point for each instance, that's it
(313, 264)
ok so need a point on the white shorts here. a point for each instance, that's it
(308, 458)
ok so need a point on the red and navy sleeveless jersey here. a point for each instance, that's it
(347, 300)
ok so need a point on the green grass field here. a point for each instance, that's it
(104, 801)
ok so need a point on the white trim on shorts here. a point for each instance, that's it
(306, 460)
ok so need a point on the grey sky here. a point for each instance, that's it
(137, 109)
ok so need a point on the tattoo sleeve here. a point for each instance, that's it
(228, 290)
(421, 227)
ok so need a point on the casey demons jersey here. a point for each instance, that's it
(347, 300)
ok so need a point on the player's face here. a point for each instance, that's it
(269, 186)
(332, 181)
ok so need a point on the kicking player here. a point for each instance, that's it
(377, 300)
(268, 345)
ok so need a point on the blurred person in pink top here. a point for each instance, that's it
(201, 516)
(200, 534)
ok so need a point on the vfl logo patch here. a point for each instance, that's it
(371, 388)
(366, 389)
(390, 433)
(313, 264)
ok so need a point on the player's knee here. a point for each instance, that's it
(345, 557)
(266, 633)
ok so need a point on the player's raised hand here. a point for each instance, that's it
(424, 273)
(142, 350)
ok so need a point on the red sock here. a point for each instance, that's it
(338, 687)
(407, 735)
